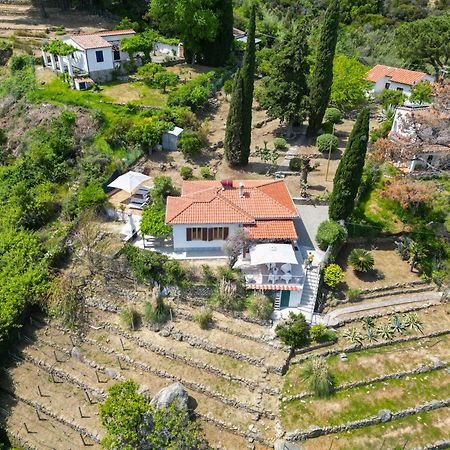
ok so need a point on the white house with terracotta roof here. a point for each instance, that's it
(96, 57)
(394, 78)
(209, 211)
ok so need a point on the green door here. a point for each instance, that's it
(285, 299)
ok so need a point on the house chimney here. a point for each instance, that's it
(241, 189)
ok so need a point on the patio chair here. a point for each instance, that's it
(272, 278)
(286, 268)
(287, 277)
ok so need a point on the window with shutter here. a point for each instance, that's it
(226, 231)
(210, 234)
(204, 234)
(189, 234)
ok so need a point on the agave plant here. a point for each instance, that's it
(372, 335)
(354, 336)
(385, 331)
(397, 324)
(369, 322)
(361, 260)
(413, 322)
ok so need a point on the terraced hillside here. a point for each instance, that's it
(391, 393)
(22, 19)
(233, 372)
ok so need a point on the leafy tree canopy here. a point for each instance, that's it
(153, 222)
(426, 41)
(58, 47)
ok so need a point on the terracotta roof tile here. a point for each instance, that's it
(266, 207)
(88, 41)
(395, 74)
(272, 229)
(115, 32)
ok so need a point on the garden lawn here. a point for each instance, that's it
(135, 92)
(410, 432)
(375, 362)
(359, 403)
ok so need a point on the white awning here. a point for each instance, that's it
(129, 181)
(272, 253)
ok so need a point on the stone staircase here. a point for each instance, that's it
(309, 294)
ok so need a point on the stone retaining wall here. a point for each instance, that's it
(227, 330)
(37, 406)
(382, 417)
(192, 385)
(422, 368)
(255, 435)
(384, 314)
(194, 341)
(171, 355)
(358, 348)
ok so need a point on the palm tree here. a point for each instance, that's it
(372, 335)
(385, 331)
(369, 322)
(397, 324)
(316, 374)
(413, 322)
(354, 336)
(361, 260)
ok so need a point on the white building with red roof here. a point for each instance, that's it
(386, 77)
(207, 212)
(96, 55)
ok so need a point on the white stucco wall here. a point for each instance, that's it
(107, 63)
(407, 89)
(165, 48)
(180, 242)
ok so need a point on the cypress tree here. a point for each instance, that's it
(248, 75)
(285, 91)
(217, 52)
(233, 133)
(348, 175)
(322, 78)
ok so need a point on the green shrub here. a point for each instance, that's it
(316, 374)
(320, 333)
(279, 144)
(390, 97)
(19, 62)
(260, 306)
(157, 314)
(327, 141)
(295, 164)
(91, 196)
(164, 80)
(130, 317)
(330, 233)
(228, 86)
(186, 172)
(208, 275)
(333, 275)
(332, 115)
(204, 318)
(205, 172)
(190, 142)
(194, 94)
(153, 222)
(361, 260)
(353, 294)
(294, 332)
(162, 188)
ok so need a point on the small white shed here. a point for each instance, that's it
(170, 138)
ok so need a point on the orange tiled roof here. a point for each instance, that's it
(272, 229)
(395, 74)
(88, 41)
(96, 40)
(266, 207)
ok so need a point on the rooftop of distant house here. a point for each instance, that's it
(265, 208)
(97, 40)
(395, 74)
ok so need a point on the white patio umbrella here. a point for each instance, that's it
(129, 181)
(272, 253)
